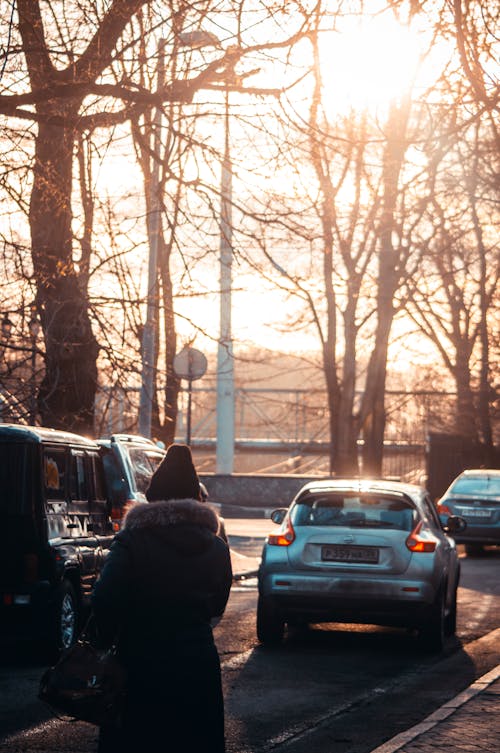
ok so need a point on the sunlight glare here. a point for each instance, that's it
(368, 63)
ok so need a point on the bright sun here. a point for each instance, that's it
(367, 63)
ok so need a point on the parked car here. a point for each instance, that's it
(360, 551)
(55, 528)
(475, 496)
(129, 462)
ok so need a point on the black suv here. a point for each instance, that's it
(56, 529)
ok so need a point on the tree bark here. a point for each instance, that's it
(66, 395)
(465, 422)
(347, 430)
(389, 273)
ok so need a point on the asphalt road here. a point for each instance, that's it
(330, 689)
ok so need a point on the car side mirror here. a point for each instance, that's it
(455, 524)
(278, 515)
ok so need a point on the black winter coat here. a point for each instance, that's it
(166, 577)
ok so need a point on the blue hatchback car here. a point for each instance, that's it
(360, 551)
(475, 496)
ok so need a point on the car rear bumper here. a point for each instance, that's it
(396, 614)
(403, 603)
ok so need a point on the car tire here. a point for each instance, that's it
(67, 617)
(270, 624)
(432, 633)
(450, 622)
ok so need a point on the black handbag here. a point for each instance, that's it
(86, 684)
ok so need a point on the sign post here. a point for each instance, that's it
(190, 364)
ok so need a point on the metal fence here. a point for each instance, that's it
(286, 430)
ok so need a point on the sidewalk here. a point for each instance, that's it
(246, 538)
(469, 723)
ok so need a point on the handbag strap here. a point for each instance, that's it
(90, 633)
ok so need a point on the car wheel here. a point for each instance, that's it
(270, 624)
(67, 617)
(450, 622)
(474, 550)
(432, 633)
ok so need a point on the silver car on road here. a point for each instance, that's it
(475, 496)
(360, 551)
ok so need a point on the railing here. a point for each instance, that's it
(284, 430)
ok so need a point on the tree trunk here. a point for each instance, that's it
(67, 393)
(466, 424)
(347, 430)
(166, 431)
(374, 420)
(389, 272)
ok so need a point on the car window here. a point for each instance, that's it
(486, 485)
(143, 464)
(155, 459)
(54, 468)
(78, 478)
(99, 491)
(353, 510)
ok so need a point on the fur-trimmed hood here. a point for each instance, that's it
(171, 512)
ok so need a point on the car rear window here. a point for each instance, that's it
(144, 464)
(489, 486)
(15, 477)
(353, 511)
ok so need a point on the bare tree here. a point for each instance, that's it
(64, 87)
(455, 302)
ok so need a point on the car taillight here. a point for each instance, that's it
(443, 509)
(416, 542)
(117, 514)
(285, 536)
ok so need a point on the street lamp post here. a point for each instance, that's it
(225, 366)
(225, 361)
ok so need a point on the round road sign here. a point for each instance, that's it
(190, 364)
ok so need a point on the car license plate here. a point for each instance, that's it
(341, 553)
(470, 512)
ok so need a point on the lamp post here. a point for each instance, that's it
(225, 376)
(154, 223)
(225, 361)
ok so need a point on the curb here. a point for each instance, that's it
(443, 712)
(239, 573)
(237, 511)
(245, 576)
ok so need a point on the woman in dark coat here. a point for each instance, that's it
(167, 576)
